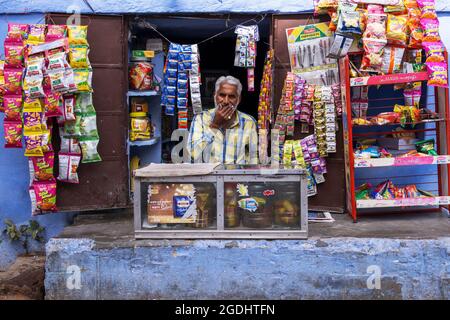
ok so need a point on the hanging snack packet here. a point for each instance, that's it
(72, 128)
(350, 22)
(412, 96)
(41, 168)
(33, 146)
(89, 149)
(373, 51)
(88, 125)
(69, 107)
(14, 54)
(376, 25)
(78, 56)
(13, 81)
(17, 32)
(58, 82)
(428, 9)
(13, 134)
(53, 104)
(396, 28)
(69, 145)
(55, 32)
(37, 33)
(57, 61)
(35, 67)
(68, 166)
(341, 45)
(33, 87)
(438, 74)
(45, 193)
(32, 121)
(431, 30)
(77, 34)
(434, 51)
(392, 59)
(83, 80)
(84, 103)
(13, 107)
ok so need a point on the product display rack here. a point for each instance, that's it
(441, 129)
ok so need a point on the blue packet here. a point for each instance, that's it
(181, 67)
(182, 103)
(172, 64)
(173, 55)
(174, 47)
(171, 91)
(186, 48)
(182, 84)
(182, 93)
(170, 110)
(187, 65)
(182, 76)
(171, 73)
(181, 204)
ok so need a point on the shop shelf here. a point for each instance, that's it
(144, 143)
(407, 202)
(401, 161)
(143, 93)
(388, 79)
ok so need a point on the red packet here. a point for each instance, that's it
(13, 134)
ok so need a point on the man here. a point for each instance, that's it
(224, 134)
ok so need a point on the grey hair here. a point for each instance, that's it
(230, 80)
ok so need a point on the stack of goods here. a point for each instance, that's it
(265, 106)
(368, 150)
(245, 52)
(386, 29)
(324, 120)
(386, 190)
(140, 125)
(48, 76)
(141, 76)
(181, 72)
(284, 122)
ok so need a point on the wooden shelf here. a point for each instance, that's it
(402, 161)
(407, 202)
(388, 79)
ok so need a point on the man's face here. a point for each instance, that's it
(227, 95)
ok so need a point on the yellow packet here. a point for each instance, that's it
(298, 152)
(287, 153)
(77, 34)
(83, 79)
(33, 146)
(78, 56)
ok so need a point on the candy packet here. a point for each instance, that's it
(41, 168)
(392, 59)
(37, 33)
(83, 80)
(438, 74)
(77, 34)
(434, 51)
(68, 166)
(12, 105)
(17, 32)
(13, 134)
(88, 125)
(14, 54)
(396, 28)
(78, 56)
(373, 51)
(89, 149)
(33, 146)
(45, 193)
(13, 81)
(52, 104)
(431, 30)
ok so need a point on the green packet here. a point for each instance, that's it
(83, 103)
(72, 128)
(89, 149)
(88, 125)
(426, 146)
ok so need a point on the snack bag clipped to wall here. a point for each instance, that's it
(77, 34)
(68, 166)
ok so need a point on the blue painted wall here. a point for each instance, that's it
(14, 177)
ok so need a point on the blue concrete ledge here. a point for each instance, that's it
(331, 268)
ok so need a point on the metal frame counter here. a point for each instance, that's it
(220, 176)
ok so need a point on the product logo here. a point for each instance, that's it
(268, 193)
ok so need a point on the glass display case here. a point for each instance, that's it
(242, 202)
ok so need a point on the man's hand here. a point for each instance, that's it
(222, 116)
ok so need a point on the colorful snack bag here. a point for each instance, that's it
(37, 33)
(53, 104)
(68, 166)
(32, 121)
(412, 96)
(350, 22)
(438, 74)
(47, 139)
(57, 61)
(13, 107)
(84, 103)
(69, 107)
(14, 54)
(428, 9)
(89, 149)
(55, 32)
(17, 32)
(77, 34)
(41, 168)
(45, 192)
(373, 51)
(392, 59)
(376, 23)
(34, 210)
(33, 146)
(431, 30)
(35, 67)
(434, 51)
(13, 80)
(396, 28)
(33, 87)
(58, 81)
(83, 80)
(88, 125)
(13, 134)
(78, 56)
(69, 145)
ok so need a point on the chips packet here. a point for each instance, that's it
(349, 22)
(396, 28)
(45, 193)
(72, 128)
(89, 149)
(14, 54)
(437, 74)
(78, 56)
(69, 107)
(41, 168)
(77, 34)
(13, 81)
(33, 87)
(37, 33)
(17, 32)
(431, 30)
(52, 104)
(33, 146)
(83, 80)
(83, 103)
(32, 121)
(55, 32)
(12, 105)
(88, 125)
(13, 134)
(434, 51)
(68, 166)
(392, 59)
(373, 51)
(428, 9)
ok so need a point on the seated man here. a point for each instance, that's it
(224, 134)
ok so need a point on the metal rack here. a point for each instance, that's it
(439, 127)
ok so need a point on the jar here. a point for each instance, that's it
(286, 206)
(256, 209)
(141, 76)
(140, 126)
(232, 217)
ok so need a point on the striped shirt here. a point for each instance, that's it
(236, 145)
